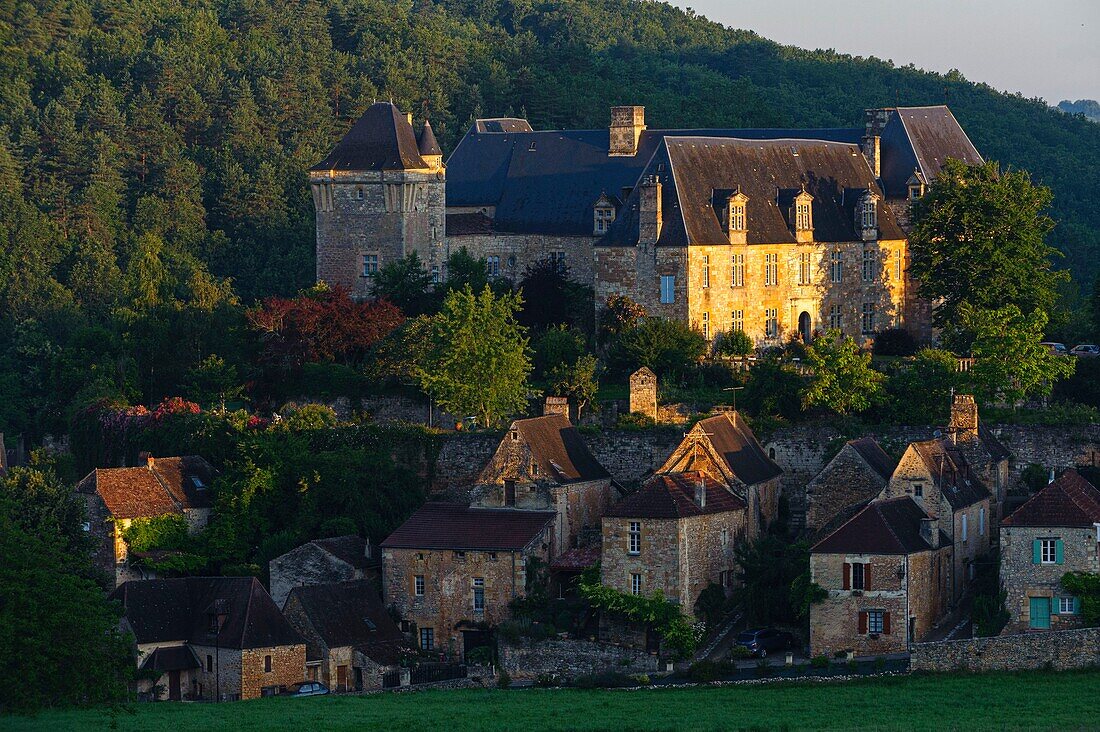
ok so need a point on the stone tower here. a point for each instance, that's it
(379, 195)
(627, 124)
(964, 417)
(643, 392)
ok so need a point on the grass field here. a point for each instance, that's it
(1031, 701)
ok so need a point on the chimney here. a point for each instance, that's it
(149, 461)
(146, 457)
(964, 417)
(556, 405)
(929, 532)
(874, 120)
(409, 118)
(626, 128)
(649, 211)
(872, 150)
(701, 492)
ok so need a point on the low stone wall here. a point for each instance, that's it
(572, 658)
(1060, 650)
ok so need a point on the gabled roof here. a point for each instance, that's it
(187, 478)
(381, 139)
(438, 525)
(1069, 501)
(672, 496)
(351, 549)
(165, 485)
(559, 450)
(882, 527)
(350, 614)
(735, 442)
(180, 609)
(949, 469)
(996, 448)
(921, 138)
(171, 658)
(875, 457)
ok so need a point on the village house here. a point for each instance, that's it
(724, 448)
(938, 478)
(985, 454)
(350, 638)
(115, 497)
(886, 573)
(451, 571)
(1056, 531)
(675, 535)
(542, 464)
(324, 561)
(210, 638)
(856, 475)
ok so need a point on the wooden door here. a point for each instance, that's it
(174, 686)
(342, 678)
(1040, 612)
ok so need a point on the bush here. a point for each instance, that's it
(705, 671)
(642, 680)
(669, 347)
(480, 656)
(821, 661)
(853, 666)
(635, 421)
(739, 652)
(733, 344)
(547, 680)
(504, 681)
(1035, 477)
(880, 663)
(895, 342)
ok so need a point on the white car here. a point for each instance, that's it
(1086, 349)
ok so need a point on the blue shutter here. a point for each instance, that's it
(1036, 552)
(1058, 552)
(1055, 605)
(1076, 605)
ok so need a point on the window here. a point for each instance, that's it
(534, 471)
(918, 490)
(857, 577)
(668, 288)
(706, 271)
(427, 639)
(981, 522)
(802, 218)
(1048, 551)
(771, 323)
(437, 277)
(86, 525)
(737, 216)
(460, 556)
(964, 527)
(836, 267)
(359, 193)
(492, 556)
(875, 622)
(604, 217)
(738, 320)
(479, 594)
(209, 664)
(370, 265)
(771, 270)
(870, 262)
(835, 321)
(635, 584)
(418, 585)
(869, 213)
(634, 539)
(267, 664)
(492, 265)
(706, 326)
(868, 321)
(737, 278)
(804, 268)
(558, 258)
(915, 192)
(1067, 605)
(509, 493)
(897, 266)
(725, 537)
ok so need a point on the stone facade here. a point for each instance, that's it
(643, 392)
(1025, 579)
(1062, 651)
(312, 564)
(287, 665)
(569, 659)
(845, 481)
(512, 254)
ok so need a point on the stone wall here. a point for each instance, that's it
(845, 481)
(288, 666)
(572, 658)
(1060, 650)
(1023, 579)
(517, 252)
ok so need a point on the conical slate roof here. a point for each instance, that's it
(382, 139)
(428, 144)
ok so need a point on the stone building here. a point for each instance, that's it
(675, 535)
(451, 571)
(542, 464)
(937, 477)
(1056, 531)
(886, 573)
(212, 637)
(324, 561)
(985, 454)
(350, 638)
(643, 392)
(724, 448)
(114, 497)
(856, 475)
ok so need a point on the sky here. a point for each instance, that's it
(1048, 49)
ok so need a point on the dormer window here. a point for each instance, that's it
(915, 185)
(737, 212)
(866, 215)
(802, 216)
(605, 215)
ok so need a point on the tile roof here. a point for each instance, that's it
(171, 658)
(438, 525)
(350, 614)
(557, 446)
(166, 485)
(882, 527)
(577, 559)
(351, 549)
(1069, 501)
(949, 469)
(673, 496)
(187, 478)
(180, 609)
(381, 139)
(874, 456)
(734, 440)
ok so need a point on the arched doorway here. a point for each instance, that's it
(805, 326)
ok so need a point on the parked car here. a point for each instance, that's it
(306, 688)
(760, 641)
(1058, 349)
(1086, 349)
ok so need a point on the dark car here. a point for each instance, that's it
(762, 641)
(306, 688)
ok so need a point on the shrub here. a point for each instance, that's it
(880, 663)
(504, 681)
(546, 680)
(480, 656)
(733, 344)
(853, 666)
(635, 421)
(706, 671)
(821, 661)
(669, 347)
(895, 342)
(642, 679)
(1035, 477)
(739, 652)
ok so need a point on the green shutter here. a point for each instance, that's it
(1076, 605)
(1058, 557)
(1055, 604)
(1036, 552)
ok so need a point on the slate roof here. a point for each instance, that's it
(921, 139)
(698, 173)
(438, 525)
(559, 450)
(736, 443)
(672, 496)
(381, 139)
(882, 527)
(949, 469)
(874, 456)
(351, 549)
(350, 614)
(1069, 501)
(167, 486)
(179, 609)
(427, 144)
(171, 658)
(459, 224)
(996, 448)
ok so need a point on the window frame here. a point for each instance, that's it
(634, 538)
(427, 639)
(479, 594)
(1062, 605)
(668, 289)
(737, 320)
(737, 272)
(876, 622)
(372, 262)
(836, 267)
(862, 583)
(771, 322)
(706, 270)
(419, 585)
(867, 319)
(492, 265)
(1043, 543)
(635, 583)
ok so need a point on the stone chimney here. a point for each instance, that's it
(964, 417)
(650, 219)
(627, 124)
(409, 118)
(149, 461)
(874, 120)
(556, 405)
(701, 492)
(930, 532)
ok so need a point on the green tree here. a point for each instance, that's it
(476, 361)
(669, 347)
(1086, 587)
(579, 381)
(774, 574)
(1010, 362)
(557, 346)
(213, 382)
(43, 502)
(465, 270)
(842, 379)
(735, 343)
(919, 389)
(406, 284)
(978, 239)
